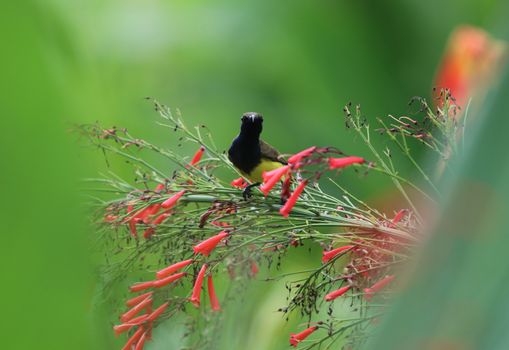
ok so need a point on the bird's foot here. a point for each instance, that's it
(247, 192)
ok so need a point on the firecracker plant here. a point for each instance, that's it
(188, 225)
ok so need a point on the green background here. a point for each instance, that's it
(297, 62)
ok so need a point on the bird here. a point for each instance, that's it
(251, 155)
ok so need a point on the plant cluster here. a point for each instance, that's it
(186, 227)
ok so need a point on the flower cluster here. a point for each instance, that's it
(310, 156)
(157, 206)
(150, 215)
(368, 256)
(196, 226)
(165, 277)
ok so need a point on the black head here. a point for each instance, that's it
(251, 123)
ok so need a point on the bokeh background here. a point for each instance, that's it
(297, 62)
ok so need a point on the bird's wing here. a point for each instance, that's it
(269, 152)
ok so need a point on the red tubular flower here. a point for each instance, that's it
(208, 245)
(254, 268)
(271, 178)
(328, 255)
(337, 163)
(239, 183)
(279, 172)
(136, 300)
(337, 293)
(397, 218)
(296, 158)
(195, 297)
(167, 280)
(142, 214)
(129, 210)
(124, 327)
(157, 312)
(153, 209)
(468, 65)
(220, 223)
(140, 319)
(149, 211)
(197, 156)
(159, 188)
(136, 309)
(170, 202)
(141, 342)
(121, 328)
(214, 303)
(161, 218)
(141, 286)
(148, 232)
(290, 203)
(173, 268)
(378, 286)
(134, 339)
(297, 338)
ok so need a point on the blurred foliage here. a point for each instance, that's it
(461, 279)
(297, 62)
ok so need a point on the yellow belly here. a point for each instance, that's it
(265, 165)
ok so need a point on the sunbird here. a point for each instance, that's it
(251, 155)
